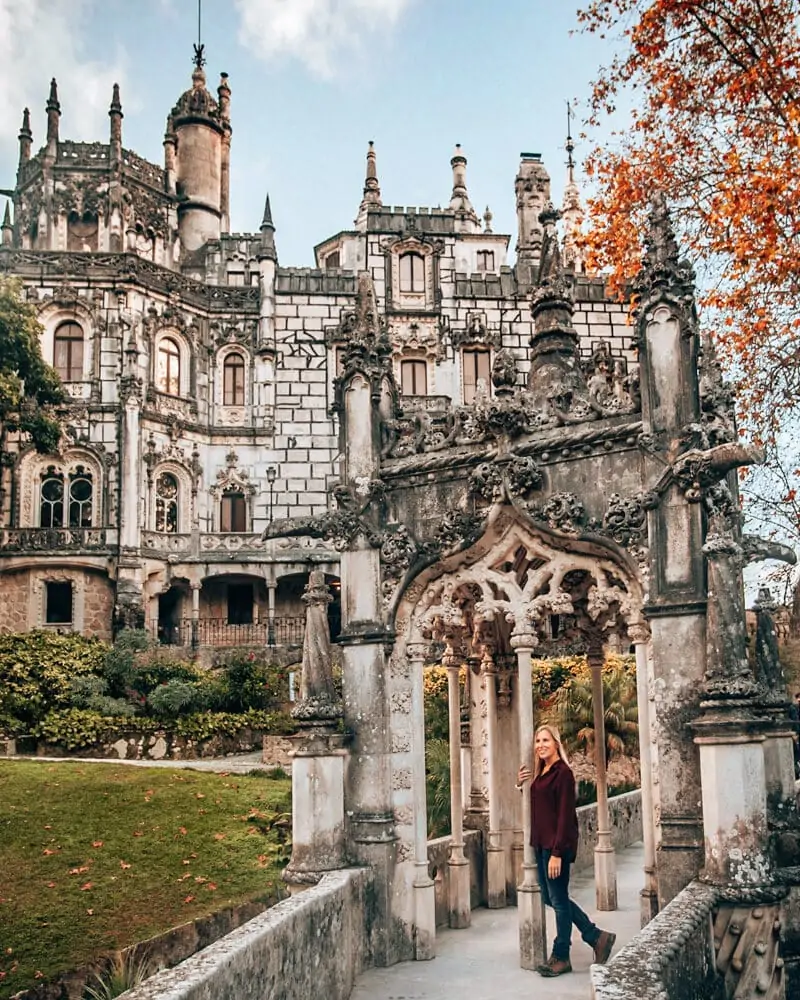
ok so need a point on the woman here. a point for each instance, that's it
(554, 836)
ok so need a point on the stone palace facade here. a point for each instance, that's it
(201, 371)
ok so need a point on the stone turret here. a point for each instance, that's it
(200, 128)
(7, 229)
(115, 128)
(532, 188)
(25, 137)
(53, 109)
(466, 218)
(224, 97)
(372, 189)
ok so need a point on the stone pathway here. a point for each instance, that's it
(239, 763)
(482, 962)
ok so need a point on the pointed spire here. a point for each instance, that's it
(53, 109)
(487, 220)
(572, 211)
(25, 137)
(115, 115)
(268, 233)
(372, 189)
(662, 266)
(224, 95)
(116, 106)
(7, 228)
(459, 200)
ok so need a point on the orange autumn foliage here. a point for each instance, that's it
(716, 127)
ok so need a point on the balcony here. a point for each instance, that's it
(219, 632)
(51, 540)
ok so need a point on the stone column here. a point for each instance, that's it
(424, 896)
(640, 637)
(459, 912)
(605, 859)
(495, 855)
(271, 588)
(195, 636)
(532, 924)
(129, 487)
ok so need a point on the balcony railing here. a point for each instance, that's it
(53, 539)
(285, 630)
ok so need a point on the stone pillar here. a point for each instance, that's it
(459, 912)
(605, 859)
(495, 855)
(532, 924)
(130, 525)
(271, 588)
(195, 636)
(640, 637)
(424, 897)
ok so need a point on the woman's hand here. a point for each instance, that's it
(524, 774)
(553, 867)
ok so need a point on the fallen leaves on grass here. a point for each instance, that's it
(97, 843)
(86, 886)
(124, 865)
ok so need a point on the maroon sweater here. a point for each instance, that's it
(555, 822)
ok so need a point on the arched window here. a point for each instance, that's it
(51, 506)
(68, 352)
(475, 367)
(80, 498)
(412, 272)
(233, 380)
(168, 371)
(167, 503)
(233, 512)
(414, 378)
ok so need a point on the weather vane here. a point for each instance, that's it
(199, 58)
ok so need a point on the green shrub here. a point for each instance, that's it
(247, 681)
(120, 661)
(156, 667)
(91, 691)
(437, 786)
(36, 669)
(77, 728)
(172, 697)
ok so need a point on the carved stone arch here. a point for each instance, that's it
(494, 563)
(169, 332)
(232, 479)
(30, 469)
(429, 250)
(183, 476)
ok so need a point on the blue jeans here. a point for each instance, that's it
(555, 893)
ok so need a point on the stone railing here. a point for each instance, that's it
(438, 851)
(672, 958)
(311, 945)
(164, 543)
(50, 540)
(232, 542)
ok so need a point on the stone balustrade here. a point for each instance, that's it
(55, 539)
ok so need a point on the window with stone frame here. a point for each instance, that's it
(475, 365)
(486, 260)
(233, 374)
(168, 367)
(68, 343)
(58, 602)
(66, 502)
(414, 377)
(333, 261)
(167, 500)
(412, 273)
(233, 512)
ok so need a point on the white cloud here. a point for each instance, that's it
(317, 32)
(40, 39)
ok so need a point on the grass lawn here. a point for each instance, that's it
(95, 857)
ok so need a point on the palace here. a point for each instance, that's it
(201, 370)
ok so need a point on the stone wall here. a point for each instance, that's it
(438, 851)
(672, 958)
(626, 825)
(311, 945)
(23, 601)
(160, 745)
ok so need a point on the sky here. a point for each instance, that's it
(312, 81)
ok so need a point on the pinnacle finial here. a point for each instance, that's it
(459, 200)
(266, 221)
(116, 106)
(52, 100)
(268, 233)
(7, 228)
(7, 217)
(372, 188)
(487, 220)
(570, 147)
(26, 122)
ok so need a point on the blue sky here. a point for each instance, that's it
(312, 81)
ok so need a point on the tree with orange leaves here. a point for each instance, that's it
(715, 126)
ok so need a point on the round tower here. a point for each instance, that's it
(200, 129)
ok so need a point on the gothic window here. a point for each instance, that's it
(68, 352)
(233, 380)
(475, 366)
(58, 602)
(486, 260)
(240, 604)
(168, 372)
(414, 378)
(51, 506)
(333, 261)
(236, 278)
(412, 272)
(233, 512)
(80, 499)
(167, 503)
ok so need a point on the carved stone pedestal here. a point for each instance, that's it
(317, 808)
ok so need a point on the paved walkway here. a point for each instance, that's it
(482, 962)
(235, 763)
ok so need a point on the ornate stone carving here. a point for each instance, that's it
(625, 520)
(564, 512)
(612, 389)
(747, 945)
(504, 371)
(232, 479)
(769, 670)
(456, 529)
(512, 480)
(476, 331)
(319, 703)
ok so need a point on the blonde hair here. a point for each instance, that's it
(562, 753)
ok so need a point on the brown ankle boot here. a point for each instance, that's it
(602, 947)
(556, 967)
